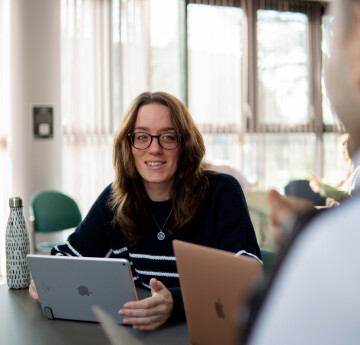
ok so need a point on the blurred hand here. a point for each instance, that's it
(331, 202)
(314, 184)
(284, 212)
(32, 291)
(149, 313)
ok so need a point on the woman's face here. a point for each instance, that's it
(155, 164)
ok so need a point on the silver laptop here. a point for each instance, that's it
(122, 335)
(117, 335)
(69, 286)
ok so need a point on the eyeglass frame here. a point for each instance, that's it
(130, 135)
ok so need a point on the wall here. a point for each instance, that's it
(35, 80)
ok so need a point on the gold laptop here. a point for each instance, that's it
(216, 287)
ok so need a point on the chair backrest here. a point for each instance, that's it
(53, 211)
(302, 189)
(268, 258)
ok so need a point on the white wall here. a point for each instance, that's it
(35, 80)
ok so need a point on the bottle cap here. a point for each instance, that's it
(15, 202)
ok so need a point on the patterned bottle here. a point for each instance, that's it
(17, 247)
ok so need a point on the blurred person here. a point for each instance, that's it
(313, 295)
(161, 192)
(336, 194)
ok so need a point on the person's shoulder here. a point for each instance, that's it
(105, 194)
(217, 178)
(224, 185)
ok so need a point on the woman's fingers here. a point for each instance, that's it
(151, 312)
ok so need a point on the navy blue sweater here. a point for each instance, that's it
(222, 222)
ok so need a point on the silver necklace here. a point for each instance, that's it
(160, 235)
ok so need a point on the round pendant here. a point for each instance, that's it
(160, 235)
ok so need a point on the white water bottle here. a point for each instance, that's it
(17, 247)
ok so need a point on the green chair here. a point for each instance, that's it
(52, 211)
(268, 258)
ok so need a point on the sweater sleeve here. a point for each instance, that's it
(90, 237)
(234, 229)
(327, 191)
(178, 311)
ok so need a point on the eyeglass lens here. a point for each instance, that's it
(143, 140)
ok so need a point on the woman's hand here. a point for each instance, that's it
(149, 313)
(32, 291)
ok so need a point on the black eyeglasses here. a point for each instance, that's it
(142, 140)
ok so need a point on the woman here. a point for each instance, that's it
(337, 194)
(160, 192)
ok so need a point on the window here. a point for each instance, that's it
(283, 68)
(214, 74)
(256, 88)
(147, 51)
(166, 42)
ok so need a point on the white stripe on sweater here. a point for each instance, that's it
(244, 252)
(147, 286)
(159, 274)
(152, 257)
(119, 251)
(60, 253)
(73, 249)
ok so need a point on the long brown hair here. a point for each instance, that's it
(129, 200)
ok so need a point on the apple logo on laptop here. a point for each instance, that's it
(83, 290)
(219, 309)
